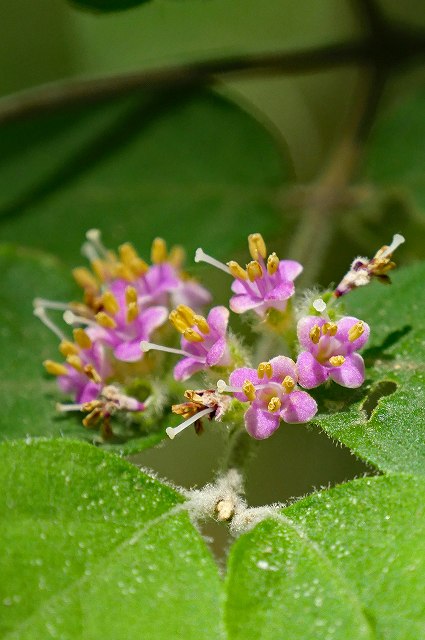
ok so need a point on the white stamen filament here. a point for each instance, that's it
(173, 431)
(397, 240)
(319, 305)
(89, 252)
(50, 304)
(40, 313)
(201, 256)
(94, 238)
(69, 407)
(147, 346)
(70, 318)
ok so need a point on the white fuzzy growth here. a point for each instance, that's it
(201, 256)
(397, 240)
(319, 305)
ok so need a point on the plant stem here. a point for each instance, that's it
(240, 450)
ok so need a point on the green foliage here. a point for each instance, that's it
(108, 5)
(382, 421)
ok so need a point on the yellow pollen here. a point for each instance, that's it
(202, 324)
(192, 336)
(110, 303)
(257, 246)
(249, 390)
(75, 362)
(99, 267)
(288, 384)
(85, 279)
(130, 295)
(356, 331)
(105, 321)
(236, 270)
(177, 256)
(55, 368)
(123, 271)
(81, 338)
(337, 361)
(92, 373)
(274, 404)
(315, 334)
(254, 270)
(130, 258)
(132, 312)
(178, 321)
(329, 327)
(186, 313)
(158, 251)
(264, 369)
(68, 348)
(272, 264)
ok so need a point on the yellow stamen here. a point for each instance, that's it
(254, 270)
(124, 272)
(177, 256)
(92, 373)
(329, 327)
(192, 336)
(257, 246)
(264, 369)
(105, 321)
(132, 312)
(356, 331)
(68, 348)
(236, 270)
(110, 303)
(55, 368)
(187, 314)
(337, 361)
(93, 417)
(130, 295)
(249, 390)
(158, 251)
(274, 404)
(81, 338)
(75, 362)
(85, 279)
(130, 258)
(99, 267)
(315, 334)
(288, 384)
(202, 324)
(178, 321)
(272, 264)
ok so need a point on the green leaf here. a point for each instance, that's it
(382, 421)
(339, 564)
(28, 394)
(108, 5)
(189, 166)
(93, 548)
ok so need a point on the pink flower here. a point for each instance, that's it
(272, 391)
(329, 351)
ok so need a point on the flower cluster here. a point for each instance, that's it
(126, 302)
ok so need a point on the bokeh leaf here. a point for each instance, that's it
(93, 548)
(383, 421)
(339, 564)
(107, 5)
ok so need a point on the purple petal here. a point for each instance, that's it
(310, 372)
(259, 423)
(192, 294)
(186, 368)
(151, 319)
(344, 325)
(304, 327)
(216, 353)
(238, 377)
(89, 393)
(218, 319)
(298, 406)
(240, 287)
(289, 269)
(282, 367)
(350, 374)
(242, 303)
(281, 292)
(129, 351)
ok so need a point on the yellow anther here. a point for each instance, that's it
(132, 312)
(92, 373)
(254, 270)
(81, 338)
(257, 246)
(192, 336)
(274, 404)
(337, 361)
(177, 256)
(158, 251)
(68, 348)
(264, 369)
(187, 314)
(93, 417)
(330, 328)
(124, 272)
(202, 324)
(130, 258)
(110, 303)
(236, 270)
(272, 263)
(178, 321)
(249, 390)
(85, 279)
(130, 295)
(55, 368)
(105, 321)
(356, 331)
(315, 334)
(288, 384)
(99, 267)
(75, 362)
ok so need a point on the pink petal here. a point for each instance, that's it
(218, 319)
(351, 374)
(186, 368)
(304, 327)
(242, 303)
(289, 269)
(89, 393)
(310, 372)
(240, 287)
(298, 406)
(151, 319)
(259, 423)
(216, 353)
(282, 367)
(238, 377)
(192, 294)
(344, 325)
(281, 292)
(128, 351)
